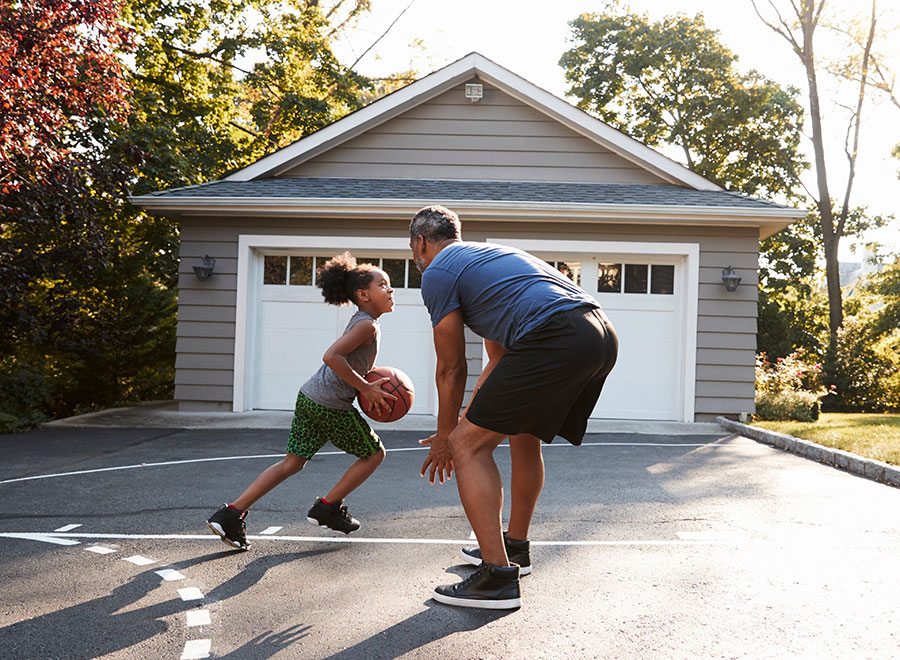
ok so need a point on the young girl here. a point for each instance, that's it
(325, 409)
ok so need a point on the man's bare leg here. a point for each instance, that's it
(480, 487)
(526, 483)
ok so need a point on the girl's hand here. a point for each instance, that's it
(375, 396)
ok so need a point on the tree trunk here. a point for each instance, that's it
(830, 238)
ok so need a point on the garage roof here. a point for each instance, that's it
(453, 189)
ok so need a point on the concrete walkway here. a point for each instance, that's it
(165, 414)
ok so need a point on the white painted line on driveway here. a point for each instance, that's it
(361, 539)
(190, 593)
(169, 574)
(198, 618)
(68, 528)
(710, 445)
(37, 536)
(196, 649)
(271, 530)
(100, 550)
(138, 560)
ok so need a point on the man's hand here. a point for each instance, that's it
(377, 397)
(438, 460)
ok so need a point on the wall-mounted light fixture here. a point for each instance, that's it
(474, 92)
(730, 279)
(204, 270)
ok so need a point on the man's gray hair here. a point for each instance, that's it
(435, 224)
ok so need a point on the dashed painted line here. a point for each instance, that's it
(196, 649)
(100, 549)
(190, 593)
(198, 618)
(271, 530)
(169, 575)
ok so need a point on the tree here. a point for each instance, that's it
(799, 24)
(673, 83)
(218, 85)
(81, 316)
(59, 75)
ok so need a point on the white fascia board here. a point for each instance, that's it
(357, 122)
(514, 210)
(590, 127)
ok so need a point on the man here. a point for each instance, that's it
(549, 351)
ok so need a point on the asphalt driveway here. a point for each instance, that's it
(644, 546)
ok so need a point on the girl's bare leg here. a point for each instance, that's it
(361, 470)
(269, 478)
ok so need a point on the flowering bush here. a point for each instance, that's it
(789, 388)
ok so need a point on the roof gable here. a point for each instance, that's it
(499, 138)
(624, 159)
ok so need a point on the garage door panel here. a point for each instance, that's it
(640, 386)
(295, 327)
(287, 357)
(407, 347)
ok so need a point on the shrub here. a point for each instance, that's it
(866, 369)
(10, 423)
(787, 406)
(23, 394)
(788, 389)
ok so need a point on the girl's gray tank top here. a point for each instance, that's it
(330, 390)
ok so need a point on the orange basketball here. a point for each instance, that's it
(399, 385)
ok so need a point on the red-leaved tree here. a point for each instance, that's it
(58, 73)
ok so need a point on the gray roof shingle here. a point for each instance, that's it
(444, 190)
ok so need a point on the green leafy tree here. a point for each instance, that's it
(672, 83)
(216, 85)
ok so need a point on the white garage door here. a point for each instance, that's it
(295, 326)
(644, 297)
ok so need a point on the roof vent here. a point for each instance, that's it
(474, 92)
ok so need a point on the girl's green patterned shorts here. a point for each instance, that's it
(314, 425)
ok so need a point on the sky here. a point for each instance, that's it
(529, 38)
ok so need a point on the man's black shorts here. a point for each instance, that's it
(548, 382)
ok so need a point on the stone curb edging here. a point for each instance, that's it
(843, 460)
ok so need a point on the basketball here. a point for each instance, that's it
(399, 385)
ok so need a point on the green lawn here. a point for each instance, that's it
(872, 436)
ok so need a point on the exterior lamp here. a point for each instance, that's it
(729, 278)
(204, 270)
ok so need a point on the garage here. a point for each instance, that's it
(650, 239)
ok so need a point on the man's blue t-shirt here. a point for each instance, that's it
(502, 292)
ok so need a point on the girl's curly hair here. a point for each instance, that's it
(341, 277)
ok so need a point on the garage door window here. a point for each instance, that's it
(655, 279)
(300, 270)
(571, 269)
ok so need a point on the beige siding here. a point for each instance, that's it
(726, 328)
(498, 138)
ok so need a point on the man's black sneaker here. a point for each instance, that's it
(333, 516)
(517, 551)
(228, 525)
(490, 587)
